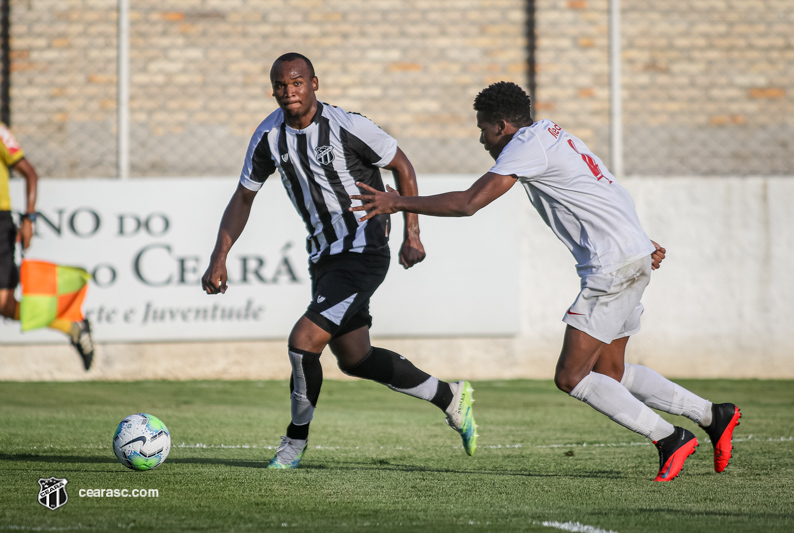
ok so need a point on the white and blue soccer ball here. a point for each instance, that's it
(141, 442)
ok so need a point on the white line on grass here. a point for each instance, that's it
(491, 446)
(575, 527)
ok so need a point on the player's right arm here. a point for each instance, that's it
(232, 224)
(449, 204)
(257, 167)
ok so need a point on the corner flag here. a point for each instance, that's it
(50, 292)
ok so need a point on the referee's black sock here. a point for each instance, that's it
(399, 374)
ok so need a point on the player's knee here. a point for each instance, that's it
(565, 381)
(308, 336)
(372, 366)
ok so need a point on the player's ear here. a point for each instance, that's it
(501, 126)
(315, 83)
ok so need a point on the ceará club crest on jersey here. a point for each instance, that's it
(325, 154)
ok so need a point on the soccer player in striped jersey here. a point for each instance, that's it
(588, 210)
(320, 152)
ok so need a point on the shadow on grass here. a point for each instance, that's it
(385, 466)
(32, 458)
(380, 465)
(754, 514)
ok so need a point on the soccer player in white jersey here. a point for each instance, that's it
(595, 218)
(320, 152)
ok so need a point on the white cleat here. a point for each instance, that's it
(460, 414)
(289, 453)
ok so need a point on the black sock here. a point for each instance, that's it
(298, 432)
(388, 368)
(310, 372)
(399, 374)
(443, 396)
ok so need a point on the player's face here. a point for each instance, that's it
(293, 89)
(491, 135)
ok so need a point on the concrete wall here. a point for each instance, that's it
(720, 306)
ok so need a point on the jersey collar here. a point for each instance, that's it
(314, 122)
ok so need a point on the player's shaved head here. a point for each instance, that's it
(506, 101)
(294, 83)
(289, 58)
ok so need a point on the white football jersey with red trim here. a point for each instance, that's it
(577, 197)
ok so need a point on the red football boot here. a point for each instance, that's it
(673, 451)
(724, 418)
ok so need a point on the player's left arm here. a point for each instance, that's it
(449, 204)
(657, 256)
(412, 250)
(24, 167)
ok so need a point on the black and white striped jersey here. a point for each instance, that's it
(319, 167)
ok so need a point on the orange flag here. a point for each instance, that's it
(50, 292)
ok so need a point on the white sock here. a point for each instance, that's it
(658, 392)
(424, 391)
(608, 397)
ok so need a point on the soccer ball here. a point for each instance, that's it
(141, 442)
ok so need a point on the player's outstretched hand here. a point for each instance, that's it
(214, 279)
(657, 256)
(375, 202)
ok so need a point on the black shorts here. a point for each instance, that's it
(9, 273)
(342, 285)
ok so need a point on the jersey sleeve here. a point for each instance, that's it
(371, 144)
(523, 157)
(12, 153)
(259, 164)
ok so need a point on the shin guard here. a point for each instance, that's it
(609, 397)
(305, 383)
(658, 392)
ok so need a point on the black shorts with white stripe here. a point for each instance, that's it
(342, 285)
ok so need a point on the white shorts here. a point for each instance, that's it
(608, 307)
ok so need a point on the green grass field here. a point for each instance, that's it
(381, 461)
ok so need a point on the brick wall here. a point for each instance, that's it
(200, 84)
(707, 85)
(63, 85)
